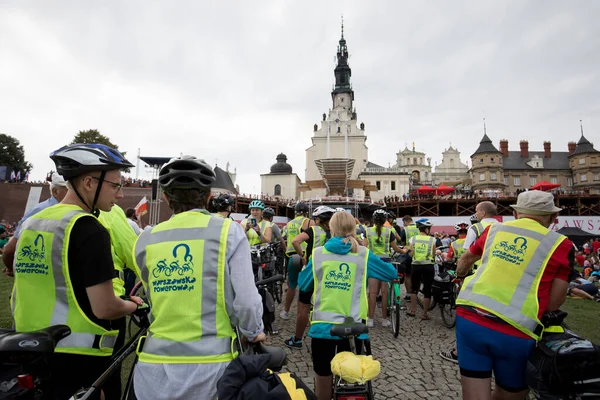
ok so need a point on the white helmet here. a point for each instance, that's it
(323, 212)
(340, 209)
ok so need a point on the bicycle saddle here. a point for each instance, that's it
(42, 341)
(277, 355)
(274, 278)
(348, 328)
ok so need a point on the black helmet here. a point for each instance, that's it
(222, 201)
(268, 212)
(77, 159)
(186, 172)
(301, 207)
(380, 216)
(391, 214)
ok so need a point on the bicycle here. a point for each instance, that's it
(447, 299)
(395, 296)
(265, 289)
(343, 390)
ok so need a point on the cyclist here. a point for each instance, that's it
(314, 237)
(223, 203)
(299, 224)
(333, 303)
(485, 212)
(457, 247)
(380, 239)
(196, 269)
(499, 308)
(423, 249)
(410, 230)
(261, 232)
(392, 220)
(69, 241)
(133, 220)
(58, 191)
(268, 215)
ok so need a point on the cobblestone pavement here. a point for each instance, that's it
(411, 367)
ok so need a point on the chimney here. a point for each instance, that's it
(524, 148)
(504, 147)
(547, 151)
(572, 146)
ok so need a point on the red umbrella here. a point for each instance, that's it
(545, 186)
(425, 189)
(443, 189)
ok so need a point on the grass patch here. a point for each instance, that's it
(584, 318)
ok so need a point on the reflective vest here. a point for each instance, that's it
(478, 228)
(410, 231)
(319, 236)
(340, 282)
(252, 236)
(182, 262)
(423, 250)
(379, 246)
(458, 247)
(43, 293)
(293, 229)
(122, 239)
(506, 284)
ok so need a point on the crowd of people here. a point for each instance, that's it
(198, 275)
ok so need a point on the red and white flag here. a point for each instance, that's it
(142, 207)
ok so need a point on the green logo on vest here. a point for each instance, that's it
(32, 258)
(182, 264)
(511, 253)
(339, 280)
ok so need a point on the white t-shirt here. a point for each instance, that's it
(136, 228)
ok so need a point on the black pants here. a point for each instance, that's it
(422, 274)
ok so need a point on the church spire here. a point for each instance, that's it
(342, 70)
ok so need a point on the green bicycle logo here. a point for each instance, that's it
(38, 253)
(518, 246)
(343, 274)
(182, 265)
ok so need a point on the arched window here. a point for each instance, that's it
(277, 190)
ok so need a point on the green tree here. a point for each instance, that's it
(94, 136)
(12, 154)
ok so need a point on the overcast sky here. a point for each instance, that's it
(242, 81)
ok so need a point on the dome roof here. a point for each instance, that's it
(281, 166)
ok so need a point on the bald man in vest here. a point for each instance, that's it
(524, 273)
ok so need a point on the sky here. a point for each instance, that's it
(239, 82)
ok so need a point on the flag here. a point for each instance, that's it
(27, 177)
(142, 207)
(19, 176)
(13, 177)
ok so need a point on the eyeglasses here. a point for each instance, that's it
(115, 185)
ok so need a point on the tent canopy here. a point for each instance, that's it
(545, 185)
(576, 235)
(425, 189)
(443, 189)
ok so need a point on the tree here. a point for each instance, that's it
(94, 136)
(12, 155)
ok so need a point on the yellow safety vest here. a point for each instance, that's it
(319, 236)
(478, 228)
(410, 231)
(423, 250)
(182, 262)
(381, 248)
(514, 258)
(458, 247)
(340, 282)
(43, 293)
(293, 229)
(252, 236)
(122, 239)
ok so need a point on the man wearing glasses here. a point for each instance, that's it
(64, 268)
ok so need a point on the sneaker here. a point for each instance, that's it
(385, 323)
(450, 356)
(284, 315)
(370, 323)
(292, 343)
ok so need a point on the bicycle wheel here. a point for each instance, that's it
(278, 292)
(394, 302)
(448, 312)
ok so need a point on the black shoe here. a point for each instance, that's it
(292, 343)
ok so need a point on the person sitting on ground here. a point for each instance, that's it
(581, 287)
(332, 304)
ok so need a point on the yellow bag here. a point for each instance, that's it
(353, 368)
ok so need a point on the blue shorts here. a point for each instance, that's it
(482, 350)
(292, 274)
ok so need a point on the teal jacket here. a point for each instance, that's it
(376, 269)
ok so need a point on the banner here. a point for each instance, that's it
(142, 207)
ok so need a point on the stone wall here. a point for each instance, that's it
(13, 198)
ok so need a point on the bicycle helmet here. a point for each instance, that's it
(301, 207)
(423, 223)
(461, 226)
(77, 159)
(222, 201)
(186, 172)
(391, 214)
(323, 212)
(257, 204)
(379, 217)
(474, 219)
(340, 209)
(268, 212)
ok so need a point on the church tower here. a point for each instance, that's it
(338, 145)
